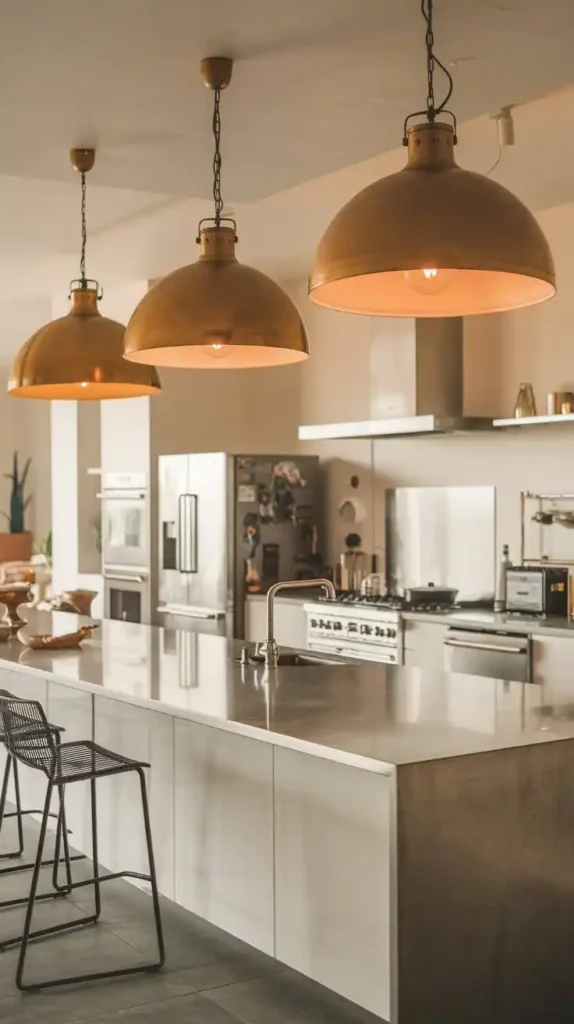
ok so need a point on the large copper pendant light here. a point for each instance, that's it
(216, 314)
(80, 355)
(432, 239)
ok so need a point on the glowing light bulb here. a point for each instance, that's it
(429, 280)
(219, 350)
(84, 384)
(217, 344)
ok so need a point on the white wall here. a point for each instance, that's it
(24, 424)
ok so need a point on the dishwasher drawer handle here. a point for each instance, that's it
(495, 648)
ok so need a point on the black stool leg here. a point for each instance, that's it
(152, 871)
(33, 887)
(3, 795)
(97, 893)
(62, 839)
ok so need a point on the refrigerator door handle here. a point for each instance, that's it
(190, 613)
(188, 527)
(179, 559)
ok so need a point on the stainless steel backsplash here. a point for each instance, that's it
(441, 535)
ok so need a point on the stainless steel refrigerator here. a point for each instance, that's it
(230, 525)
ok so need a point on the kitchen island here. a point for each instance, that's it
(403, 836)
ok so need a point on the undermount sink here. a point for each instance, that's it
(296, 659)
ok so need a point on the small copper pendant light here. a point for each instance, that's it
(80, 355)
(216, 314)
(432, 239)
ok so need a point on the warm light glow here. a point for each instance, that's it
(385, 252)
(219, 350)
(429, 280)
(84, 384)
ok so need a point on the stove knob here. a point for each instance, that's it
(328, 625)
(314, 623)
(391, 632)
(337, 625)
(321, 624)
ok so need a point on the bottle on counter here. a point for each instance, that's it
(500, 595)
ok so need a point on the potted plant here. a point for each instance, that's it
(16, 546)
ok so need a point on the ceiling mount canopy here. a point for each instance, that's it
(432, 239)
(216, 313)
(80, 355)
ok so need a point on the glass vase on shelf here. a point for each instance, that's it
(525, 404)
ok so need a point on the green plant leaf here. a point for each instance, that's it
(25, 472)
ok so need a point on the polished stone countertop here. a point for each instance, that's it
(480, 619)
(368, 715)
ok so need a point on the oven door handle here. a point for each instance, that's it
(124, 577)
(137, 499)
(494, 648)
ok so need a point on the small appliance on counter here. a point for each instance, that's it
(537, 590)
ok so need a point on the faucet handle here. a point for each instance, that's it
(271, 650)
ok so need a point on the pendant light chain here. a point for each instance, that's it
(432, 110)
(217, 200)
(432, 60)
(83, 278)
(427, 14)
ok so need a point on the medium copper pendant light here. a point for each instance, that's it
(432, 239)
(216, 314)
(80, 355)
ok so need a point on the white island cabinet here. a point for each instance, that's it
(224, 830)
(145, 736)
(72, 709)
(333, 856)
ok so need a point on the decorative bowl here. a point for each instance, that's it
(63, 642)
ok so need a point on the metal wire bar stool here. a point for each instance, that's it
(63, 764)
(12, 766)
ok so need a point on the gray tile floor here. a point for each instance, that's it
(209, 977)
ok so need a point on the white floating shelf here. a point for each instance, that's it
(534, 421)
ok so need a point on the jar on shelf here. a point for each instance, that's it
(525, 404)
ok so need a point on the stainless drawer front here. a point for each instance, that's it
(488, 654)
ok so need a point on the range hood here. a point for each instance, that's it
(416, 369)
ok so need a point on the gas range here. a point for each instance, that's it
(389, 602)
(366, 631)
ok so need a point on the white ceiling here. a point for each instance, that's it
(314, 111)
